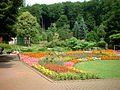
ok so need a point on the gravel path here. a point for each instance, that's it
(15, 75)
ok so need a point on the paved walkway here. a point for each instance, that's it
(15, 75)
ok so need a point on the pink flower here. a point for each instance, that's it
(69, 64)
(29, 60)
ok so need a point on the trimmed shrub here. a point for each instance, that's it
(101, 44)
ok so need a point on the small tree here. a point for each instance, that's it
(75, 29)
(101, 31)
(27, 26)
(102, 44)
(49, 36)
(92, 36)
(80, 29)
(64, 32)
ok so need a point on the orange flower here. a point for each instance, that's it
(76, 60)
(36, 54)
(89, 58)
(71, 52)
(98, 51)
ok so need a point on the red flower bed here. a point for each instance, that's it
(103, 58)
(59, 68)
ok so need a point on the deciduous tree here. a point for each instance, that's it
(27, 26)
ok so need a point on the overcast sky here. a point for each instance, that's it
(31, 2)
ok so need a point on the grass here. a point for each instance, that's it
(108, 69)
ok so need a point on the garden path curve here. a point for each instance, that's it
(15, 75)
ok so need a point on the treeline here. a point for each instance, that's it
(93, 20)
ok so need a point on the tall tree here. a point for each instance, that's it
(90, 21)
(8, 16)
(55, 11)
(27, 26)
(72, 10)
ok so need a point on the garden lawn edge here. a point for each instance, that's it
(55, 81)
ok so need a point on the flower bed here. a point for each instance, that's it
(65, 76)
(37, 54)
(69, 64)
(60, 68)
(29, 60)
(49, 65)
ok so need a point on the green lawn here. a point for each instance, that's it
(108, 69)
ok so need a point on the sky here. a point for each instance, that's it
(31, 2)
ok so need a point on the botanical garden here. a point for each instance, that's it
(64, 41)
(75, 64)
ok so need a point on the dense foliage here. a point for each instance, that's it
(8, 16)
(27, 26)
(90, 20)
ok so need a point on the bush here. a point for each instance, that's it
(76, 44)
(51, 44)
(42, 49)
(61, 44)
(92, 36)
(27, 50)
(60, 49)
(101, 44)
(72, 42)
(5, 46)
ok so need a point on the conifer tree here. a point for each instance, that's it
(83, 30)
(75, 29)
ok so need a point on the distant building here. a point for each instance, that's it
(19, 40)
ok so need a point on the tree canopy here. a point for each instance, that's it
(101, 17)
(9, 11)
(27, 26)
